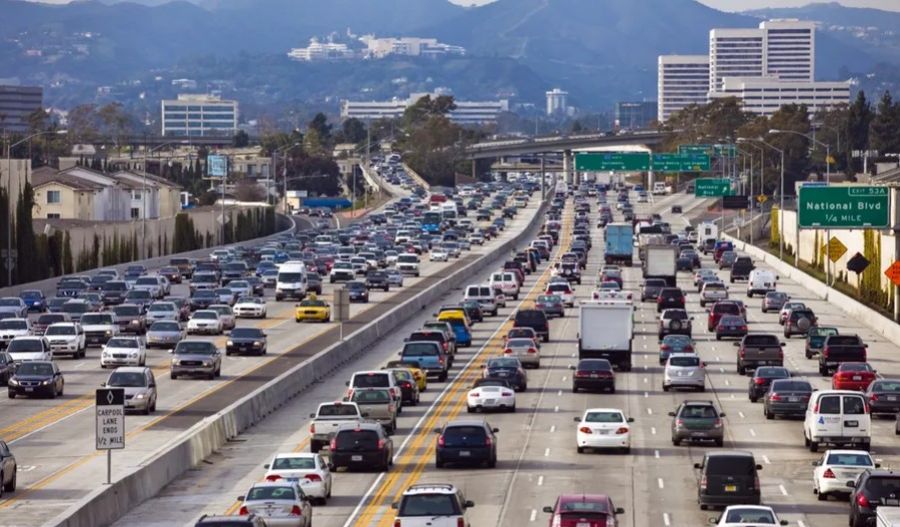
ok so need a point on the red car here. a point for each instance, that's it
(720, 308)
(583, 510)
(853, 376)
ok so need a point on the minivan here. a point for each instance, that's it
(837, 417)
(728, 478)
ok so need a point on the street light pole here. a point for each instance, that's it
(781, 207)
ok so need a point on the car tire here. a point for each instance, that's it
(470, 410)
(718, 337)
(492, 463)
(753, 399)
(822, 496)
(11, 395)
(764, 310)
(769, 415)
(720, 443)
(676, 442)
(574, 389)
(438, 463)
(813, 446)
(580, 450)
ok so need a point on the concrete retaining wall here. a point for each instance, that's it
(415, 175)
(106, 504)
(871, 318)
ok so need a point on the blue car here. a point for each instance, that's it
(461, 330)
(34, 299)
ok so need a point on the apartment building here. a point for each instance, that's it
(682, 80)
(16, 104)
(466, 112)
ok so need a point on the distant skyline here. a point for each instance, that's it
(744, 5)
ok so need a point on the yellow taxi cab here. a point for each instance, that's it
(312, 309)
(418, 373)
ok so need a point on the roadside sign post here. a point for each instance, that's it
(341, 303)
(110, 421)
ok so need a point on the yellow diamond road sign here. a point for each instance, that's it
(836, 249)
(762, 198)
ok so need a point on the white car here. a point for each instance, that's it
(564, 290)
(390, 258)
(748, 515)
(66, 338)
(837, 468)
(491, 398)
(476, 238)
(250, 307)
(226, 315)
(123, 351)
(603, 428)
(23, 349)
(309, 470)
(150, 284)
(162, 311)
(684, 370)
(11, 328)
(408, 264)
(280, 503)
(240, 288)
(205, 321)
(439, 254)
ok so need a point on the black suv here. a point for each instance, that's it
(728, 478)
(871, 490)
(246, 341)
(466, 441)
(740, 269)
(534, 319)
(363, 445)
(669, 297)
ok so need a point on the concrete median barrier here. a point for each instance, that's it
(108, 503)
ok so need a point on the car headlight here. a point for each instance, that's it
(207, 363)
(13, 382)
(108, 332)
(229, 343)
(45, 383)
(174, 362)
(139, 396)
(257, 343)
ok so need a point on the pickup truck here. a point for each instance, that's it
(815, 339)
(759, 349)
(841, 348)
(377, 404)
(326, 420)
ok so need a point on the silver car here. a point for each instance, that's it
(684, 370)
(196, 357)
(164, 334)
(394, 277)
(712, 292)
(162, 311)
(139, 385)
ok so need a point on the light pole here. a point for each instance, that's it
(781, 204)
(144, 193)
(9, 221)
(762, 174)
(275, 152)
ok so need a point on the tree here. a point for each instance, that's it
(241, 139)
(115, 122)
(884, 129)
(353, 130)
(858, 121)
(319, 124)
(27, 268)
(83, 123)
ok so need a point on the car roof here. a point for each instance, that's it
(360, 425)
(131, 369)
(605, 410)
(569, 498)
(730, 453)
(465, 422)
(431, 488)
(295, 455)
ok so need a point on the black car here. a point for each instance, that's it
(593, 374)
(651, 287)
(246, 341)
(8, 469)
(787, 398)
(762, 378)
(740, 269)
(728, 478)
(534, 319)
(684, 263)
(358, 292)
(203, 298)
(473, 310)
(377, 280)
(669, 297)
(466, 441)
(507, 368)
(872, 489)
(884, 396)
(363, 445)
(36, 378)
(6, 368)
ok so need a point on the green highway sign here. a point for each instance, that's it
(712, 188)
(726, 150)
(844, 207)
(681, 162)
(612, 161)
(694, 149)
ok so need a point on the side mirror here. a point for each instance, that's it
(630, 419)
(240, 498)
(103, 385)
(758, 467)
(395, 505)
(877, 465)
(172, 350)
(347, 383)
(620, 510)
(713, 521)
(576, 419)
(468, 504)
(266, 466)
(495, 430)
(698, 466)
(312, 416)
(783, 522)
(738, 344)
(816, 463)
(330, 466)
(548, 510)
(671, 414)
(365, 414)
(572, 367)
(851, 484)
(722, 414)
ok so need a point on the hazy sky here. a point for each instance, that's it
(741, 5)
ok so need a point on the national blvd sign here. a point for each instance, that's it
(844, 207)
(712, 187)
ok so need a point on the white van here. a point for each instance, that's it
(707, 230)
(291, 281)
(485, 296)
(760, 282)
(837, 417)
(659, 188)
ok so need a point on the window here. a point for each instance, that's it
(135, 213)
(53, 216)
(54, 196)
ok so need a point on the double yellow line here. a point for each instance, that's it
(448, 408)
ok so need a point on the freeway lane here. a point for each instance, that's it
(56, 464)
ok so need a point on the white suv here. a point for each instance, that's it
(66, 338)
(432, 505)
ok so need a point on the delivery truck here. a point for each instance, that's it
(606, 329)
(660, 262)
(619, 243)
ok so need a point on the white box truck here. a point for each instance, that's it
(887, 516)
(606, 328)
(660, 262)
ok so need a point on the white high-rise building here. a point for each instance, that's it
(735, 53)
(682, 80)
(790, 49)
(556, 101)
(765, 95)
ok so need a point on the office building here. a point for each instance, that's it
(635, 115)
(199, 116)
(682, 80)
(466, 112)
(735, 53)
(321, 51)
(765, 95)
(407, 46)
(556, 101)
(16, 104)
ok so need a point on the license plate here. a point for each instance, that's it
(595, 376)
(891, 397)
(697, 434)
(356, 458)
(891, 502)
(464, 453)
(582, 524)
(730, 488)
(29, 389)
(857, 377)
(490, 402)
(851, 423)
(794, 399)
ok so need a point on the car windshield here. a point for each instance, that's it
(822, 332)
(434, 505)
(50, 318)
(791, 386)
(195, 348)
(247, 333)
(357, 439)
(675, 314)
(271, 493)
(162, 308)
(165, 326)
(294, 463)
(336, 410)
(761, 340)
(855, 366)
(25, 346)
(96, 319)
(421, 350)
(519, 343)
(206, 315)
(684, 361)
(699, 412)
(126, 379)
(123, 343)
(127, 311)
(731, 320)
(731, 465)
(313, 303)
(60, 330)
(753, 516)
(371, 396)
(676, 340)
(205, 294)
(14, 324)
(604, 417)
(464, 435)
(503, 363)
(138, 295)
(776, 296)
(9, 302)
(35, 368)
(850, 459)
(548, 299)
(147, 280)
(371, 380)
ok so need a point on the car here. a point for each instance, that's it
(762, 378)
(466, 441)
(362, 445)
(23, 349)
(139, 385)
(6, 368)
(786, 308)
(815, 339)
(34, 299)
(837, 417)
(279, 503)
(669, 298)
(250, 307)
(39, 326)
(164, 334)
(357, 291)
(726, 260)
(836, 468)
(583, 509)
(593, 374)
(394, 277)
(310, 471)
(362, 380)
(66, 338)
(884, 396)
(551, 305)
(11, 328)
(774, 301)
(408, 383)
(246, 340)
(508, 368)
(473, 310)
(698, 421)
(526, 350)
(160, 310)
(202, 299)
(702, 274)
(196, 357)
(787, 398)
(439, 253)
(14, 305)
(377, 404)
(226, 315)
(744, 515)
(651, 287)
(435, 504)
(731, 326)
(484, 398)
(131, 318)
(720, 309)
(8, 469)
(312, 308)
(798, 321)
(248, 520)
(674, 321)
(874, 487)
(36, 378)
(684, 370)
(377, 280)
(853, 376)
(601, 428)
(712, 292)
(728, 478)
(123, 351)
(674, 344)
(205, 321)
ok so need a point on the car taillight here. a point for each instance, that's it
(532, 350)
(381, 444)
(717, 423)
(829, 474)
(444, 344)
(488, 441)
(273, 477)
(476, 394)
(867, 408)
(862, 501)
(460, 522)
(622, 430)
(759, 381)
(295, 511)
(312, 428)
(816, 408)
(397, 523)
(332, 445)
(743, 328)
(873, 397)
(507, 351)
(581, 374)
(775, 397)
(665, 347)
(688, 348)
(825, 352)
(506, 394)
(703, 483)
(743, 353)
(244, 511)
(441, 440)
(756, 483)
(313, 477)
(659, 300)
(585, 430)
